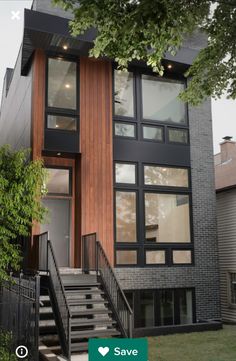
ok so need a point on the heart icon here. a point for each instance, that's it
(103, 350)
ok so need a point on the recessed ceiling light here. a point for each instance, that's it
(169, 66)
(67, 86)
(65, 47)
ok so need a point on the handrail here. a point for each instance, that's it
(58, 298)
(100, 263)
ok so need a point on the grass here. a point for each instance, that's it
(200, 346)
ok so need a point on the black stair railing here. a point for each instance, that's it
(47, 263)
(94, 258)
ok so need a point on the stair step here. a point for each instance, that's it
(92, 322)
(94, 333)
(85, 291)
(90, 311)
(68, 285)
(86, 302)
(79, 346)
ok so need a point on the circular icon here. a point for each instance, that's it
(21, 351)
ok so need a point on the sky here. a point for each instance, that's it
(11, 33)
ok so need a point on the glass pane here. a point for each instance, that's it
(61, 122)
(165, 176)
(154, 133)
(125, 173)
(61, 84)
(124, 104)
(126, 257)
(178, 135)
(155, 257)
(125, 130)
(182, 257)
(147, 309)
(167, 307)
(186, 306)
(233, 287)
(58, 181)
(167, 218)
(126, 217)
(160, 100)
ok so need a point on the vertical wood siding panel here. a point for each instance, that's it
(96, 151)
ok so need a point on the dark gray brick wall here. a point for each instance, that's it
(204, 274)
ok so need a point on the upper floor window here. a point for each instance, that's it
(61, 84)
(160, 100)
(124, 89)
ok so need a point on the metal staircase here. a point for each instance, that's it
(76, 306)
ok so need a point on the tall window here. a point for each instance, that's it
(152, 199)
(61, 95)
(152, 215)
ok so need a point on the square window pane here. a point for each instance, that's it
(147, 309)
(167, 307)
(61, 122)
(178, 135)
(61, 84)
(155, 257)
(126, 257)
(181, 256)
(153, 133)
(124, 103)
(126, 217)
(160, 100)
(124, 130)
(167, 218)
(58, 181)
(165, 176)
(125, 173)
(186, 307)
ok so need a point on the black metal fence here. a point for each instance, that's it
(19, 313)
(94, 258)
(47, 263)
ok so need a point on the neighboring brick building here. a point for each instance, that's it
(128, 160)
(225, 175)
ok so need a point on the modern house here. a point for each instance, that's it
(225, 175)
(128, 161)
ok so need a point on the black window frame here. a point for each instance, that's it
(142, 245)
(62, 111)
(136, 297)
(138, 106)
(177, 128)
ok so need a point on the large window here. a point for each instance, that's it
(164, 307)
(151, 171)
(152, 215)
(160, 100)
(149, 100)
(167, 218)
(62, 101)
(61, 84)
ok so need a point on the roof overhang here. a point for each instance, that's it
(50, 33)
